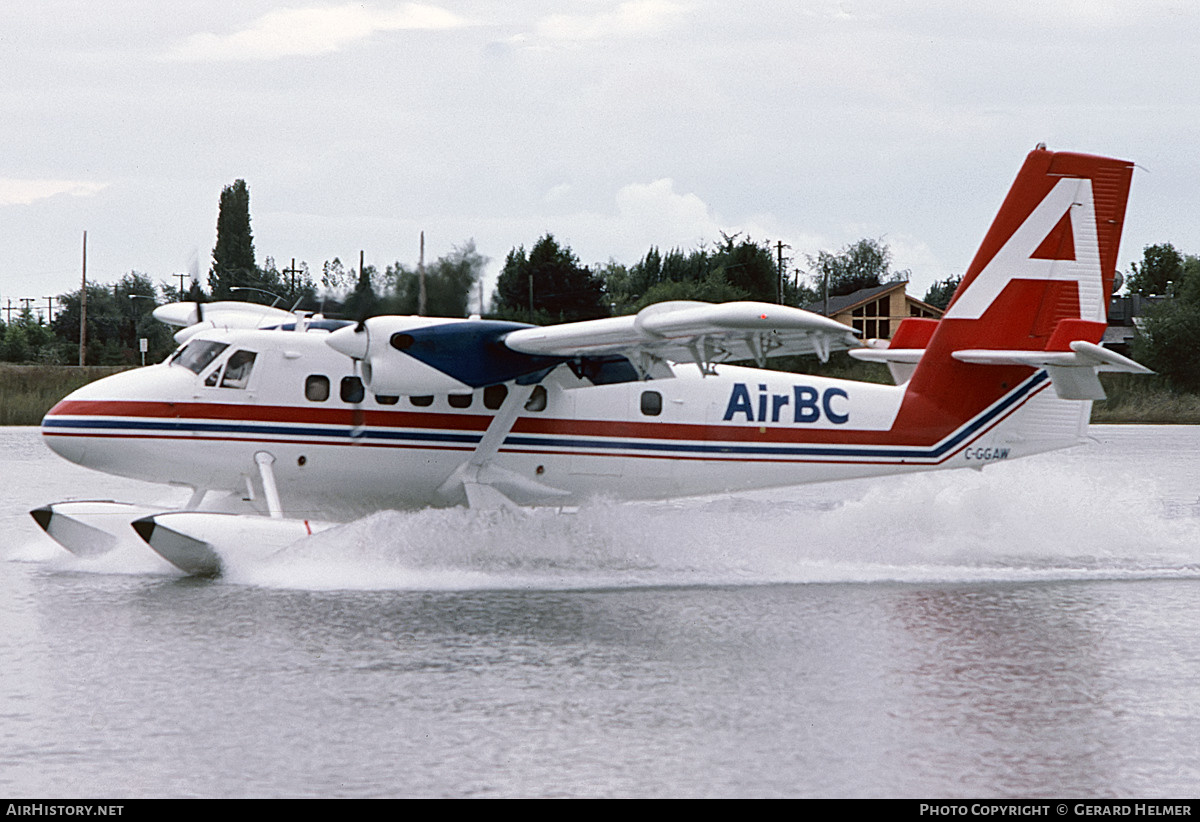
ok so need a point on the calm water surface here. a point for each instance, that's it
(1028, 631)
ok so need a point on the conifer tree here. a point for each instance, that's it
(233, 255)
(549, 285)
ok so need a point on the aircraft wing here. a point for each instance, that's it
(191, 317)
(705, 333)
(422, 355)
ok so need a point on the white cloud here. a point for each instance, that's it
(636, 18)
(656, 205)
(311, 31)
(557, 193)
(656, 197)
(25, 192)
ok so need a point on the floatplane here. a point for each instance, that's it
(273, 419)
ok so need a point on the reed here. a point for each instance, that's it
(27, 392)
(1147, 400)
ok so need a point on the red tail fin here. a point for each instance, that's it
(1047, 263)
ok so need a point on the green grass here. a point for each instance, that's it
(27, 392)
(1147, 400)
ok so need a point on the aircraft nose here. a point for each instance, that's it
(56, 432)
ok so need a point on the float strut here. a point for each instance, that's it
(270, 491)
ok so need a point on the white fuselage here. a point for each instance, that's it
(198, 423)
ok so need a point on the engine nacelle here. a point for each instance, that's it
(422, 355)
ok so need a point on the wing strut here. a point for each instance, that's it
(485, 484)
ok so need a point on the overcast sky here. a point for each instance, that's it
(616, 126)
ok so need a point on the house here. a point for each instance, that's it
(1124, 321)
(875, 312)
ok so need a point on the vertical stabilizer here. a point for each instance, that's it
(1035, 296)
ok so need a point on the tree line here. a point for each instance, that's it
(545, 284)
(1168, 339)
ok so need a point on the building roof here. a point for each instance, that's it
(846, 302)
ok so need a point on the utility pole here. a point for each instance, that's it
(83, 307)
(421, 296)
(293, 271)
(49, 310)
(780, 246)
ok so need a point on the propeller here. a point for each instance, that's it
(276, 299)
(196, 292)
(360, 327)
(359, 418)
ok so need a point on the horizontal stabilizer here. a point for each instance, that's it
(1073, 373)
(907, 356)
(901, 362)
(902, 353)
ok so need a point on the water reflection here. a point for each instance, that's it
(1027, 687)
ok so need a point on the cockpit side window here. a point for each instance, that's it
(237, 370)
(197, 354)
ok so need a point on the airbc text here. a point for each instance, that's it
(804, 405)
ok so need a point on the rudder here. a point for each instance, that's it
(1035, 295)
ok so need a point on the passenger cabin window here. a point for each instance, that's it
(237, 370)
(651, 403)
(351, 390)
(422, 401)
(461, 400)
(537, 400)
(494, 396)
(316, 388)
(386, 399)
(196, 355)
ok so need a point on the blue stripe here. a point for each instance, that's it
(367, 435)
(241, 428)
(887, 452)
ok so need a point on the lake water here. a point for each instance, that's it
(1029, 631)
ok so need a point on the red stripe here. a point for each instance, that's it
(549, 426)
(569, 452)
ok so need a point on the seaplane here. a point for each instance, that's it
(280, 425)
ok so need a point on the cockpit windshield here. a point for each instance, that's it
(197, 354)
